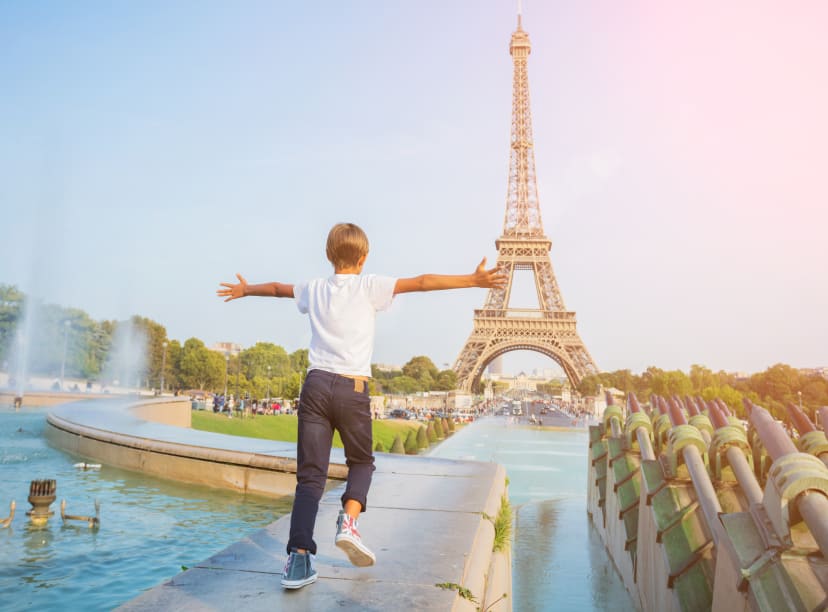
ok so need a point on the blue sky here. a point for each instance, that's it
(151, 150)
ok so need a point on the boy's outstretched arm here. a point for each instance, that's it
(234, 291)
(481, 277)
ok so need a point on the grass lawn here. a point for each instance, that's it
(283, 427)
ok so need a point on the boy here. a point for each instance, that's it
(334, 395)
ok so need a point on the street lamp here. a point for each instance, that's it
(799, 393)
(163, 364)
(238, 374)
(66, 325)
(226, 365)
(268, 385)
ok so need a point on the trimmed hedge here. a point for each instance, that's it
(422, 437)
(398, 447)
(411, 443)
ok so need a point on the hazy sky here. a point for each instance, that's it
(149, 150)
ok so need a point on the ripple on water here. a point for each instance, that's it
(149, 527)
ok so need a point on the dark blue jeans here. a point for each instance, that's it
(327, 402)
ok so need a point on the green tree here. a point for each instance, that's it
(589, 385)
(779, 382)
(422, 369)
(701, 378)
(401, 384)
(200, 367)
(446, 381)
(11, 307)
(299, 361)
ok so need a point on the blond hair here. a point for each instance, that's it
(346, 244)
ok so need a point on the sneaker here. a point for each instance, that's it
(298, 571)
(348, 539)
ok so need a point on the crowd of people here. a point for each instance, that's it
(230, 404)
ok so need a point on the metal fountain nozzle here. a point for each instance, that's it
(41, 496)
(91, 521)
(7, 521)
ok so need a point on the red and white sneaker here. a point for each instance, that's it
(349, 540)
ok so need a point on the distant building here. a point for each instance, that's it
(385, 367)
(823, 371)
(496, 366)
(227, 348)
(522, 381)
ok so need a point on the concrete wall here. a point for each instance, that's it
(40, 399)
(175, 411)
(245, 472)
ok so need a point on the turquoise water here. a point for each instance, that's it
(558, 560)
(150, 528)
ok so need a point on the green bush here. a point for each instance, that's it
(411, 443)
(451, 425)
(503, 525)
(422, 437)
(447, 429)
(379, 448)
(398, 447)
(438, 429)
(430, 433)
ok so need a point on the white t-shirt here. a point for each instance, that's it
(342, 309)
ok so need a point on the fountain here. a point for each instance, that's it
(127, 357)
(41, 496)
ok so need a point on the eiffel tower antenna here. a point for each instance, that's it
(549, 329)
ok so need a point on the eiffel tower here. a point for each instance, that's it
(550, 328)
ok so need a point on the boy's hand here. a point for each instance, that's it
(233, 292)
(488, 278)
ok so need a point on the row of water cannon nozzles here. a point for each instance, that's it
(42, 494)
(705, 436)
(774, 435)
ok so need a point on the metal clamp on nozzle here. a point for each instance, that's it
(813, 442)
(723, 439)
(682, 436)
(702, 423)
(662, 427)
(610, 413)
(789, 477)
(634, 421)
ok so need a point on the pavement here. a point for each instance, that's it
(427, 522)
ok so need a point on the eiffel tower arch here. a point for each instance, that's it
(549, 329)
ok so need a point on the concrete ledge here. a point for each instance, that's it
(425, 520)
(93, 429)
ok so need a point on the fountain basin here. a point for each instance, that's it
(94, 429)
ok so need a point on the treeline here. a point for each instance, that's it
(419, 374)
(771, 389)
(105, 352)
(133, 352)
